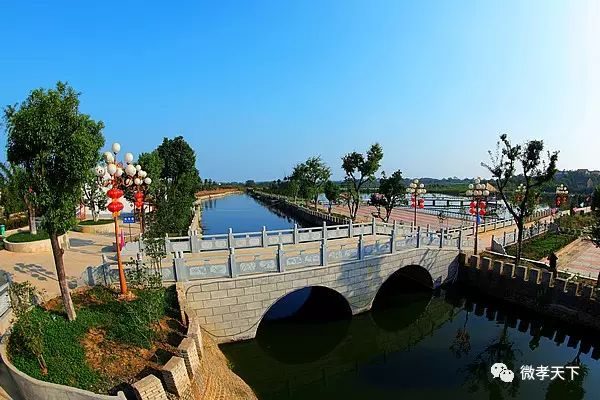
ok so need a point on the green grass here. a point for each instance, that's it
(99, 222)
(576, 222)
(128, 322)
(541, 246)
(23, 237)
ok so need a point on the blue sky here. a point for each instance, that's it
(256, 87)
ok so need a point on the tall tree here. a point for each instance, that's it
(360, 169)
(392, 191)
(173, 193)
(58, 145)
(332, 193)
(312, 176)
(596, 211)
(535, 171)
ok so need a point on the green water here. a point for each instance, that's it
(417, 346)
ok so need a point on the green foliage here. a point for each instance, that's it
(178, 158)
(393, 192)
(23, 296)
(91, 222)
(15, 222)
(360, 169)
(542, 246)
(535, 172)
(311, 177)
(596, 214)
(13, 188)
(332, 193)
(94, 197)
(24, 237)
(128, 322)
(575, 222)
(57, 145)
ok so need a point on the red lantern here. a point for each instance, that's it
(482, 204)
(115, 206)
(471, 210)
(482, 212)
(138, 195)
(472, 205)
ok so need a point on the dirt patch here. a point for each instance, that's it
(122, 363)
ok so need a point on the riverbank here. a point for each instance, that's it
(216, 193)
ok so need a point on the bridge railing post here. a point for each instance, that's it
(230, 239)
(418, 237)
(460, 239)
(324, 253)
(373, 226)
(295, 234)
(361, 251)
(181, 272)
(350, 229)
(441, 237)
(231, 263)
(280, 258)
(265, 239)
(504, 239)
(393, 238)
(324, 234)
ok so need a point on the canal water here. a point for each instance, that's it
(413, 345)
(241, 213)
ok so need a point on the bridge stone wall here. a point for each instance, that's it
(231, 309)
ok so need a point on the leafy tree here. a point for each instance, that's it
(393, 192)
(332, 193)
(58, 146)
(174, 191)
(559, 389)
(250, 183)
(312, 176)
(360, 170)
(13, 190)
(535, 171)
(377, 201)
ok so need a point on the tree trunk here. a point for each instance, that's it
(520, 229)
(57, 252)
(31, 215)
(94, 213)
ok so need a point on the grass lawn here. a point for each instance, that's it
(22, 237)
(541, 246)
(110, 343)
(99, 222)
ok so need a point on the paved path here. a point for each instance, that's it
(582, 258)
(38, 268)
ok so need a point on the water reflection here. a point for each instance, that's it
(445, 351)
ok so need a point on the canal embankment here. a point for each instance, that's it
(308, 216)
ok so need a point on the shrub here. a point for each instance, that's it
(23, 237)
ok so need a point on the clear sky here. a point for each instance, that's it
(256, 87)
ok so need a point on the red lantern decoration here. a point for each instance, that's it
(557, 202)
(482, 204)
(482, 212)
(471, 211)
(138, 195)
(115, 206)
(472, 205)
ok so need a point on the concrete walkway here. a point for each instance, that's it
(582, 258)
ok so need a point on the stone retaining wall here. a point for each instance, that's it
(535, 288)
(34, 389)
(38, 246)
(96, 229)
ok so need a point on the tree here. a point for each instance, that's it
(58, 146)
(312, 176)
(174, 189)
(392, 191)
(535, 171)
(332, 193)
(94, 197)
(12, 189)
(360, 170)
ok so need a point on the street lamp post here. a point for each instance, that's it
(478, 193)
(562, 195)
(117, 175)
(416, 190)
(141, 181)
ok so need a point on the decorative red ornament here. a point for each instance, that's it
(471, 210)
(472, 205)
(421, 205)
(138, 195)
(557, 202)
(115, 206)
(482, 204)
(482, 212)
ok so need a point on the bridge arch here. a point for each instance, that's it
(402, 297)
(315, 319)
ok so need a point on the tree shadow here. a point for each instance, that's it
(35, 271)
(80, 242)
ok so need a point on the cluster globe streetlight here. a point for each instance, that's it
(562, 194)
(416, 190)
(478, 193)
(119, 175)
